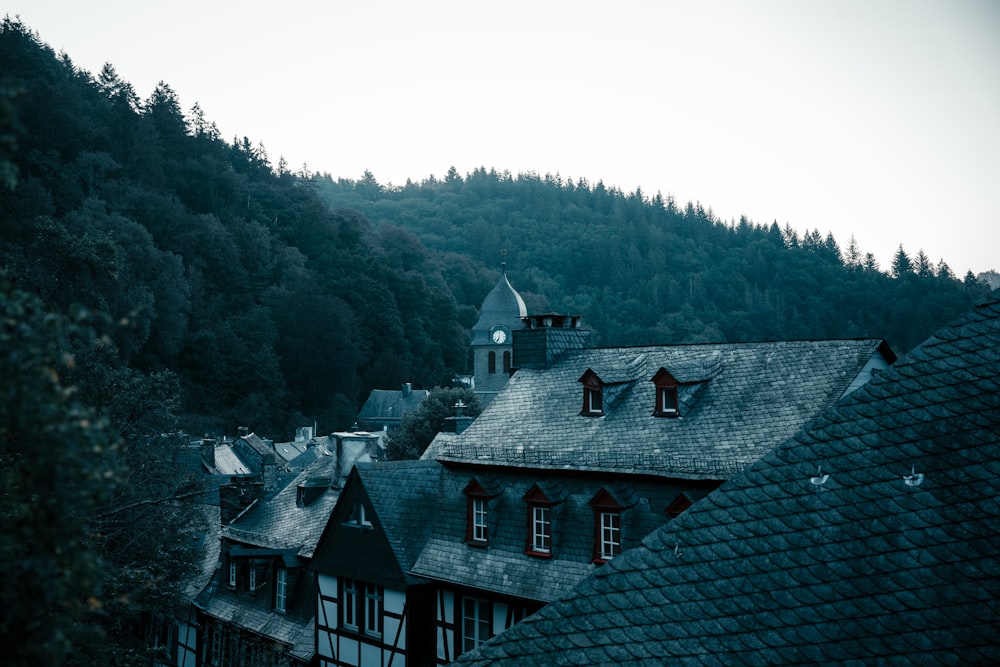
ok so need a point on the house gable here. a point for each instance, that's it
(354, 543)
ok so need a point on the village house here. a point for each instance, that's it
(385, 408)
(259, 607)
(579, 455)
(868, 537)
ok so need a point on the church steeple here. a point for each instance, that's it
(501, 314)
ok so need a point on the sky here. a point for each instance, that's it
(873, 118)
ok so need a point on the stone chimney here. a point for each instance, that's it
(545, 338)
(407, 388)
(269, 472)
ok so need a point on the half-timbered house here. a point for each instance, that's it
(259, 608)
(371, 610)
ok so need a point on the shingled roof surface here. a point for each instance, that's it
(281, 522)
(871, 537)
(402, 493)
(737, 402)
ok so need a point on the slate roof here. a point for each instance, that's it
(737, 402)
(282, 523)
(390, 404)
(870, 537)
(284, 527)
(402, 493)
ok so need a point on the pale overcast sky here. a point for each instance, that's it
(877, 118)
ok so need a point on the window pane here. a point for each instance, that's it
(479, 532)
(541, 540)
(610, 534)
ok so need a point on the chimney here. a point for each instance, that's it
(208, 453)
(269, 472)
(545, 338)
(459, 422)
(243, 431)
(407, 388)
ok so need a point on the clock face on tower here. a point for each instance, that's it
(499, 336)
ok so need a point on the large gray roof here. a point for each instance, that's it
(737, 402)
(871, 537)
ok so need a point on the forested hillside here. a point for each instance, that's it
(643, 269)
(239, 292)
(227, 281)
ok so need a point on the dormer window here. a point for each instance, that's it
(666, 394)
(539, 541)
(281, 589)
(607, 526)
(477, 531)
(593, 395)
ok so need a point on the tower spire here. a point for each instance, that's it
(503, 263)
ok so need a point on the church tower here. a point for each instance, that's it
(492, 338)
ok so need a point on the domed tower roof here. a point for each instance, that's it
(502, 306)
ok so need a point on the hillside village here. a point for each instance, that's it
(584, 460)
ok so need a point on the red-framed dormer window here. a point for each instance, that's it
(593, 394)
(477, 531)
(539, 542)
(666, 394)
(607, 526)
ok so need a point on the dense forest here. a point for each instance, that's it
(250, 294)
(157, 278)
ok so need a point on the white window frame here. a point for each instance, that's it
(373, 609)
(253, 576)
(476, 616)
(349, 604)
(480, 514)
(541, 529)
(232, 573)
(281, 589)
(611, 534)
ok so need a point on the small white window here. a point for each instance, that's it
(281, 589)
(479, 529)
(373, 604)
(611, 535)
(541, 529)
(253, 577)
(349, 605)
(232, 573)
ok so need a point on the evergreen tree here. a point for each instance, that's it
(901, 264)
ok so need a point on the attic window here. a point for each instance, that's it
(477, 531)
(666, 394)
(607, 526)
(678, 506)
(358, 518)
(593, 395)
(539, 541)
